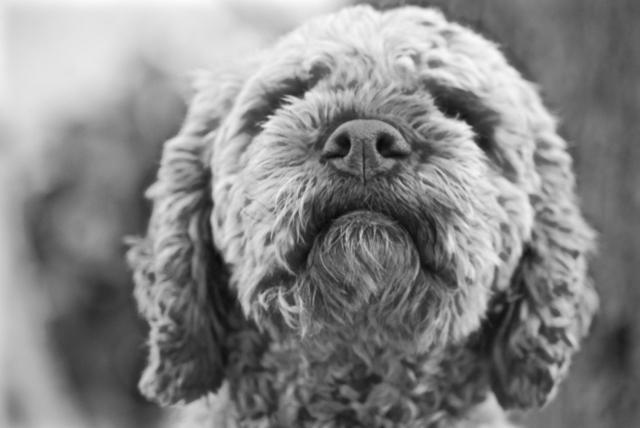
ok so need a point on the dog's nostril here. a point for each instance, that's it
(389, 146)
(384, 143)
(342, 146)
(338, 146)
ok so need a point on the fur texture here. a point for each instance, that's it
(287, 294)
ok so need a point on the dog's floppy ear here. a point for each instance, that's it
(540, 320)
(180, 281)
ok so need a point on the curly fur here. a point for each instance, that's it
(294, 296)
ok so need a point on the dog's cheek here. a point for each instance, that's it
(478, 231)
(253, 216)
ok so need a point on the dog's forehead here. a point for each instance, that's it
(399, 37)
(369, 31)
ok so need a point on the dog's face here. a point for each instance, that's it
(406, 238)
(379, 175)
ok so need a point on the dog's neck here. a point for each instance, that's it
(353, 384)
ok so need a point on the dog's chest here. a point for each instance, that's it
(348, 388)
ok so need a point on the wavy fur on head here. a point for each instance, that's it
(414, 299)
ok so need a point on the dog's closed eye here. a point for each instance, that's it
(460, 104)
(464, 105)
(271, 100)
(279, 94)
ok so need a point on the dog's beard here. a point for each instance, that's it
(364, 277)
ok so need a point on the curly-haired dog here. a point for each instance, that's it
(375, 225)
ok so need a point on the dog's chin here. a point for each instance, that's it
(363, 272)
(360, 254)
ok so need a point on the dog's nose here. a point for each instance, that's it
(365, 148)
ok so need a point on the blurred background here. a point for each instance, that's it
(90, 89)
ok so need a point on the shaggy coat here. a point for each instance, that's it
(283, 293)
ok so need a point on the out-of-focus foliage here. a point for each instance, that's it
(585, 55)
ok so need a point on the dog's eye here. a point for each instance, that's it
(273, 98)
(464, 105)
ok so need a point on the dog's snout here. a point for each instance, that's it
(365, 148)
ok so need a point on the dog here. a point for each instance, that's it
(372, 224)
